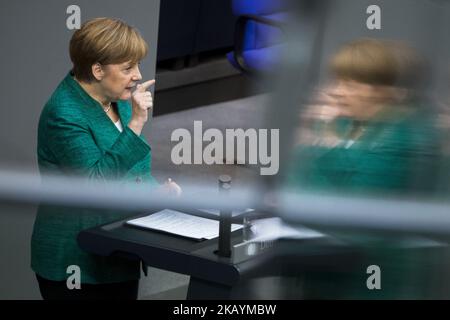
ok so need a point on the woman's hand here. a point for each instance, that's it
(141, 102)
(172, 188)
(327, 107)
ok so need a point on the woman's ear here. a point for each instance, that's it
(97, 71)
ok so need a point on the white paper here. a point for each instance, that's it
(274, 228)
(182, 224)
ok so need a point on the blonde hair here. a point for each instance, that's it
(104, 41)
(368, 61)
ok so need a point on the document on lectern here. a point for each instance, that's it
(181, 224)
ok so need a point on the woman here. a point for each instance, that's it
(89, 128)
(371, 134)
(369, 131)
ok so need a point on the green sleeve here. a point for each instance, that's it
(69, 139)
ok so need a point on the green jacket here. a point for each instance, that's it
(75, 136)
(397, 154)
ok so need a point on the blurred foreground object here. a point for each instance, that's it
(370, 131)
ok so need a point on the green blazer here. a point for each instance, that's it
(398, 153)
(75, 136)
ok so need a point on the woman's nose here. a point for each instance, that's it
(137, 75)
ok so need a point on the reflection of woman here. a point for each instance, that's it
(370, 138)
(88, 128)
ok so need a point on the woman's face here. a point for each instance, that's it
(119, 79)
(356, 99)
